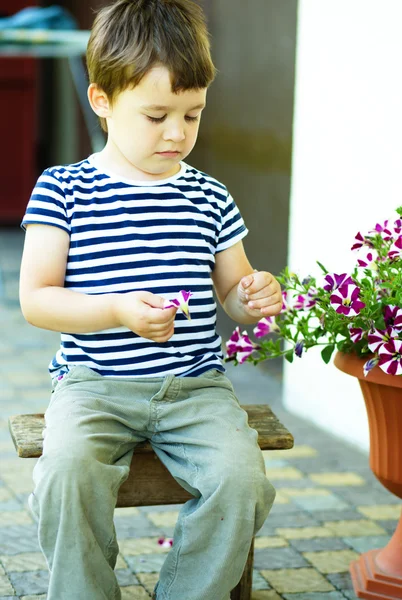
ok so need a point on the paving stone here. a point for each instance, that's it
(28, 561)
(337, 479)
(319, 544)
(388, 525)
(9, 518)
(265, 595)
(270, 542)
(380, 512)
(275, 463)
(129, 511)
(11, 505)
(306, 491)
(283, 474)
(125, 577)
(281, 499)
(163, 519)
(298, 451)
(6, 589)
(354, 528)
(136, 546)
(259, 583)
(364, 544)
(366, 495)
(297, 519)
(315, 503)
(293, 533)
(129, 527)
(297, 580)
(340, 515)
(134, 592)
(278, 558)
(40, 597)
(30, 582)
(146, 563)
(148, 580)
(18, 538)
(315, 596)
(342, 581)
(336, 561)
(349, 594)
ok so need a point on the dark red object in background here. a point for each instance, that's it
(18, 117)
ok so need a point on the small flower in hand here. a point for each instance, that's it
(181, 301)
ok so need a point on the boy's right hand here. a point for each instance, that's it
(143, 313)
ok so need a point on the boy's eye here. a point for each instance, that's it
(192, 119)
(156, 119)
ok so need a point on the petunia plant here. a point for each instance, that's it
(358, 312)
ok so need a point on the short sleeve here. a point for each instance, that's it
(47, 204)
(233, 227)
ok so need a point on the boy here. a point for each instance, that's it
(109, 241)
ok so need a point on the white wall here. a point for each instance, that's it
(347, 166)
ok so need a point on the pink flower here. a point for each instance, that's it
(306, 301)
(240, 346)
(286, 303)
(369, 260)
(356, 334)
(395, 252)
(393, 317)
(361, 241)
(390, 357)
(346, 301)
(181, 301)
(378, 337)
(383, 230)
(335, 281)
(265, 326)
(165, 542)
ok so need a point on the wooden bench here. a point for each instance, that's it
(149, 482)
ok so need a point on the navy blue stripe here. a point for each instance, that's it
(135, 265)
(133, 237)
(104, 254)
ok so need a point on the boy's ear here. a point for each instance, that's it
(99, 101)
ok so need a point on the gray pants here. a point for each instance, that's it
(198, 430)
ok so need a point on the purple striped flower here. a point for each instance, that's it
(390, 357)
(265, 326)
(356, 334)
(181, 301)
(369, 260)
(393, 317)
(395, 252)
(383, 230)
(335, 281)
(378, 337)
(361, 241)
(346, 301)
(240, 346)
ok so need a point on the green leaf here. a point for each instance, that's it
(326, 353)
(289, 356)
(322, 267)
(380, 323)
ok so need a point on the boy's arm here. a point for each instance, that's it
(47, 304)
(246, 295)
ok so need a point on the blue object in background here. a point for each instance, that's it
(36, 17)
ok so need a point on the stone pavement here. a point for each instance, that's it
(329, 506)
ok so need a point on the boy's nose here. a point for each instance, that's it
(175, 133)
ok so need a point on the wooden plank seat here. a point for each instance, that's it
(149, 482)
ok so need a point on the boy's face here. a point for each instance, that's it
(151, 129)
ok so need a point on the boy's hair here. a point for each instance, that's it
(130, 37)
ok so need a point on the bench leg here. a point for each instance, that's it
(242, 591)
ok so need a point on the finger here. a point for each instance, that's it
(264, 302)
(265, 292)
(260, 281)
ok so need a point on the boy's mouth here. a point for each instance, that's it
(169, 154)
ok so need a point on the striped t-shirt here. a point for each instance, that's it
(158, 236)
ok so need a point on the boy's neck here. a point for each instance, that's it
(112, 160)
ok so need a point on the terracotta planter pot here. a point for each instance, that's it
(377, 574)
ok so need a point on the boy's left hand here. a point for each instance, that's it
(260, 294)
